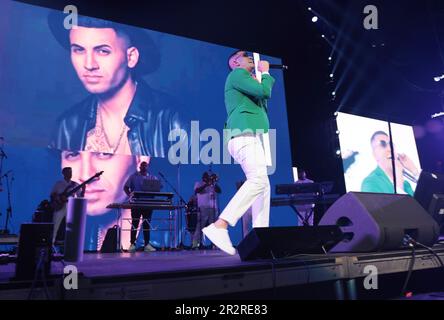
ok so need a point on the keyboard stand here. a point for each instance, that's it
(303, 219)
(119, 231)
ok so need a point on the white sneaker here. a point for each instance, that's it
(132, 248)
(149, 248)
(220, 238)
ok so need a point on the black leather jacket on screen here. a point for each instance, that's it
(150, 118)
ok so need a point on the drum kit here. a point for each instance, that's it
(191, 214)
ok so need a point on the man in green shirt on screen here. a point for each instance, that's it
(380, 179)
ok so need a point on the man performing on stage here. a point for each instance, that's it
(246, 103)
(59, 194)
(136, 182)
(206, 191)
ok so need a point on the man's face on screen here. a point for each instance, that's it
(109, 187)
(99, 57)
(382, 151)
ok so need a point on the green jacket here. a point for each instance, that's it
(246, 102)
(377, 181)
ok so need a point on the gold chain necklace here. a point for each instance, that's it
(99, 108)
(113, 149)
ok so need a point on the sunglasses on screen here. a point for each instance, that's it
(384, 143)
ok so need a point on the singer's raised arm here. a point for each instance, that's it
(240, 79)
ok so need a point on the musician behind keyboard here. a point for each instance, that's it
(305, 210)
(136, 182)
(59, 198)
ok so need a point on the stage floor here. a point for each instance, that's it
(199, 274)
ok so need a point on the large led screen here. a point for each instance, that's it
(63, 103)
(370, 164)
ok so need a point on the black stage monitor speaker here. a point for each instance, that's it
(282, 242)
(436, 209)
(429, 193)
(110, 243)
(34, 250)
(378, 221)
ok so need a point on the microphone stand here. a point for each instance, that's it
(5, 231)
(181, 202)
(2, 157)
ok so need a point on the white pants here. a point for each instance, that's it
(248, 151)
(246, 223)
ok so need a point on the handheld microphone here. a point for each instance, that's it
(409, 176)
(278, 66)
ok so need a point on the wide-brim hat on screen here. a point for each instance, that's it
(149, 59)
